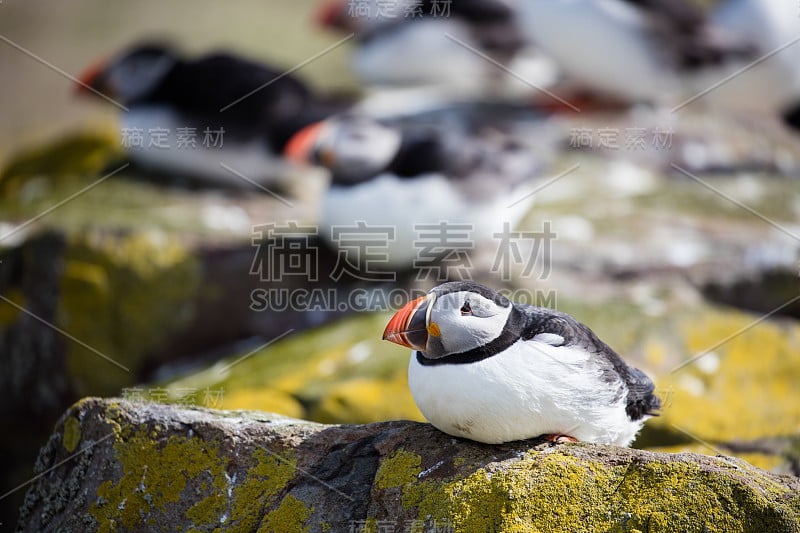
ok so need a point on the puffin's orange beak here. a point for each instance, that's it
(302, 145)
(90, 79)
(409, 326)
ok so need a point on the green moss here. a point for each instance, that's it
(289, 517)
(72, 434)
(398, 469)
(554, 492)
(121, 296)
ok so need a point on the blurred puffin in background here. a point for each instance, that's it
(671, 53)
(465, 50)
(641, 51)
(191, 115)
(409, 178)
(773, 83)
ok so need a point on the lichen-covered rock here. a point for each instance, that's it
(115, 466)
(84, 306)
(105, 275)
(66, 159)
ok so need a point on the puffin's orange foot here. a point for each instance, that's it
(560, 439)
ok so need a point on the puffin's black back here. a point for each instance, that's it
(224, 89)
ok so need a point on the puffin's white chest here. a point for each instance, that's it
(415, 210)
(530, 389)
(157, 138)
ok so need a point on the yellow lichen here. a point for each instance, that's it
(154, 475)
(370, 526)
(72, 434)
(289, 517)
(209, 511)
(156, 471)
(398, 469)
(268, 475)
(555, 492)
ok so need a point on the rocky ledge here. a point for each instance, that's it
(112, 465)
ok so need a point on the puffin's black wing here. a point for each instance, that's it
(225, 88)
(641, 400)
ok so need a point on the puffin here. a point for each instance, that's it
(771, 85)
(658, 52)
(493, 371)
(470, 49)
(187, 116)
(416, 181)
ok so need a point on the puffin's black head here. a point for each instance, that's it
(453, 318)
(131, 76)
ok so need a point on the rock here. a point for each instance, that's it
(767, 291)
(67, 159)
(83, 306)
(106, 276)
(115, 466)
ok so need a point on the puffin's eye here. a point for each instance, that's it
(466, 309)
